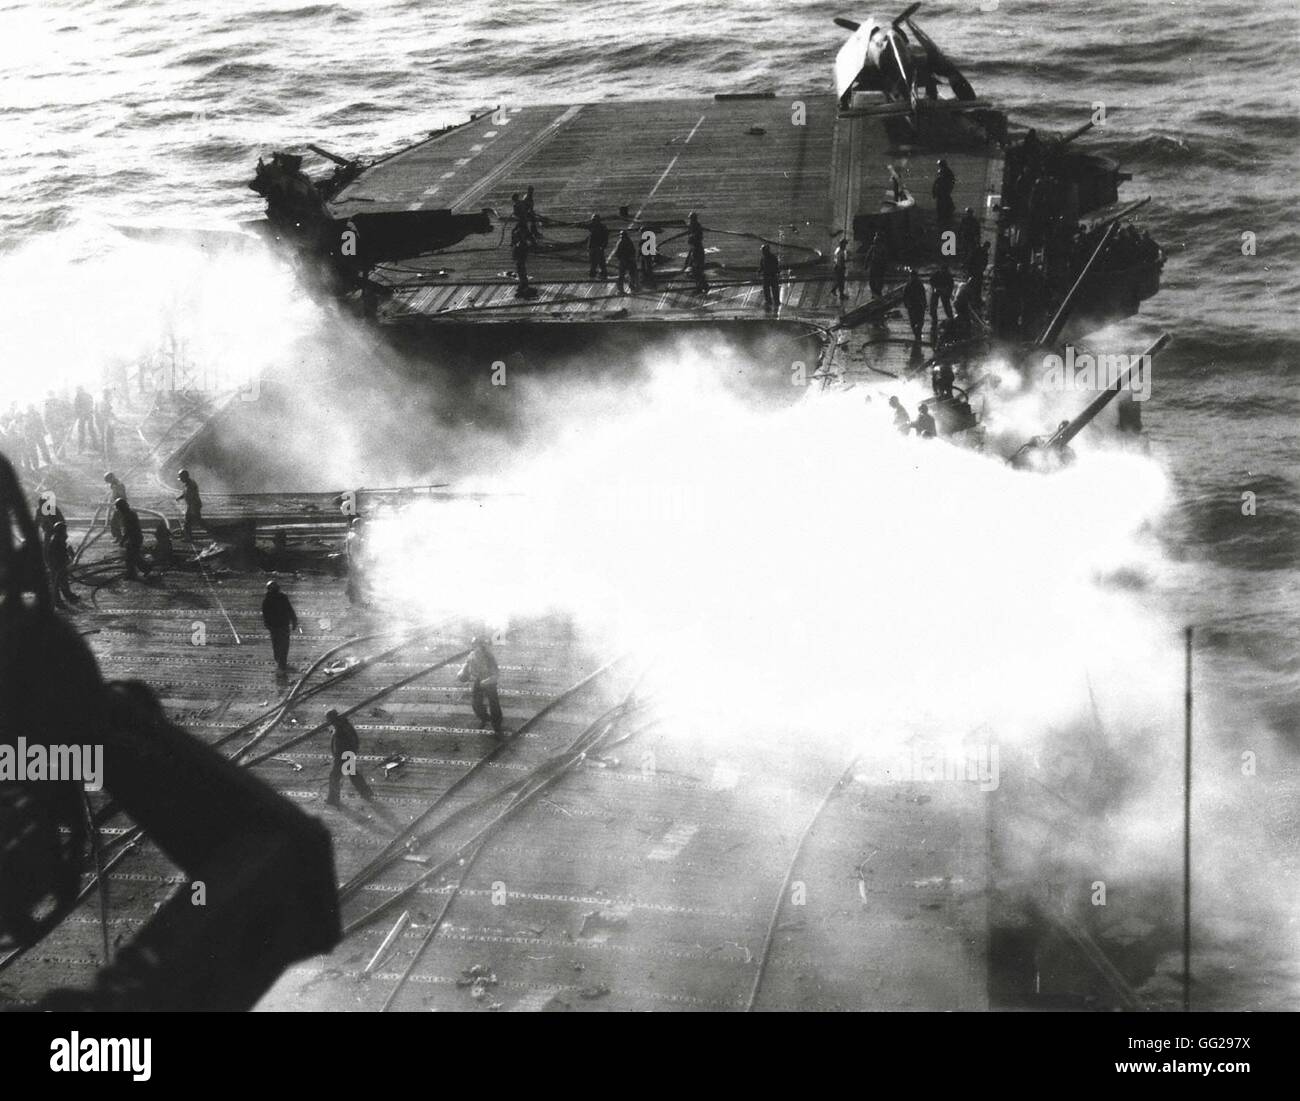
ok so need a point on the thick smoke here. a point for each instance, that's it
(797, 571)
(803, 574)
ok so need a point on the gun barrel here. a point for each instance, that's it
(1078, 133)
(340, 161)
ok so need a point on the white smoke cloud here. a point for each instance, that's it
(803, 566)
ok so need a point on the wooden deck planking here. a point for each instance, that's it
(743, 165)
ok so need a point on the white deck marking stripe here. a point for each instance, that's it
(672, 162)
(637, 216)
(522, 153)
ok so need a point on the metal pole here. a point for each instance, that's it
(1187, 833)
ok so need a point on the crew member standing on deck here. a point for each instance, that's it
(914, 300)
(968, 236)
(56, 565)
(481, 672)
(530, 212)
(523, 216)
(193, 503)
(941, 284)
(83, 406)
(901, 420)
(345, 748)
(963, 304)
(597, 243)
(354, 555)
(770, 270)
(942, 377)
(116, 492)
(37, 432)
(625, 254)
(107, 423)
(841, 268)
(280, 619)
(647, 253)
(519, 250)
(877, 259)
(132, 539)
(924, 423)
(47, 513)
(695, 251)
(944, 181)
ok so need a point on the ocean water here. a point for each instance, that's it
(154, 111)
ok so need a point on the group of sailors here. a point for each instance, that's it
(122, 524)
(960, 413)
(636, 253)
(35, 435)
(481, 672)
(959, 302)
(923, 425)
(1047, 246)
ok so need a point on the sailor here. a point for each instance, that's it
(83, 408)
(163, 554)
(354, 554)
(1031, 148)
(481, 672)
(914, 300)
(57, 417)
(941, 285)
(132, 539)
(280, 619)
(769, 269)
(877, 259)
(625, 254)
(519, 241)
(193, 503)
(597, 243)
(841, 267)
(964, 302)
(345, 747)
(968, 235)
(47, 513)
(944, 181)
(116, 492)
(695, 251)
(56, 565)
(107, 422)
(941, 379)
(36, 432)
(901, 420)
(924, 423)
(523, 216)
(530, 213)
(646, 254)
(1038, 210)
